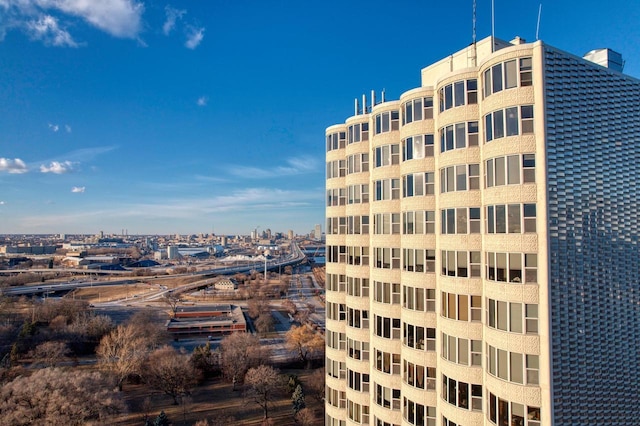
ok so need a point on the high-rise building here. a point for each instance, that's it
(482, 236)
(317, 232)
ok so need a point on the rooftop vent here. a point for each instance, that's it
(607, 58)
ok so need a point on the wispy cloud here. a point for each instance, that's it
(57, 167)
(194, 37)
(77, 189)
(54, 127)
(295, 166)
(2, 203)
(86, 154)
(47, 30)
(67, 128)
(172, 16)
(202, 101)
(48, 20)
(15, 166)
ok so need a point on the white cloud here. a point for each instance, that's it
(202, 101)
(295, 166)
(2, 203)
(46, 28)
(67, 128)
(48, 20)
(172, 16)
(194, 37)
(120, 18)
(77, 189)
(54, 127)
(57, 167)
(15, 166)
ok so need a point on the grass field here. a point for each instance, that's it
(213, 400)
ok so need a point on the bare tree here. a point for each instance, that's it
(124, 349)
(262, 385)
(305, 342)
(258, 306)
(172, 300)
(306, 417)
(315, 384)
(50, 353)
(264, 323)
(170, 372)
(57, 397)
(238, 353)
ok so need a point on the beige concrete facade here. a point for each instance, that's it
(448, 285)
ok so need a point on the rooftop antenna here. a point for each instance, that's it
(493, 26)
(474, 21)
(538, 25)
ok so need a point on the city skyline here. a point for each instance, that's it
(128, 115)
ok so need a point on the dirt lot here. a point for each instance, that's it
(212, 400)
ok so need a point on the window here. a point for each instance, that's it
(461, 307)
(358, 381)
(515, 267)
(335, 369)
(389, 328)
(357, 318)
(358, 350)
(463, 92)
(419, 222)
(417, 147)
(461, 220)
(503, 412)
(513, 367)
(357, 163)
(336, 197)
(418, 260)
(511, 218)
(387, 189)
(511, 121)
(417, 337)
(336, 141)
(336, 398)
(386, 292)
(417, 109)
(387, 121)
(358, 132)
(386, 223)
(336, 340)
(459, 135)
(336, 311)
(387, 155)
(387, 397)
(357, 255)
(358, 194)
(462, 351)
(357, 225)
(387, 258)
(336, 169)
(335, 282)
(418, 184)
(459, 394)
(461, 263)
(387, 362)
(358, 286)
(460, 178)
(512, 316)
(510, 170)
(419, 299)
(418, 414)
(419, 376)
(505, 75)
(358, 413)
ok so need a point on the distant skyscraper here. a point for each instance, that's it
(317, 233)
(290, 234)
(483, 265)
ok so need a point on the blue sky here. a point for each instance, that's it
(199, 116)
